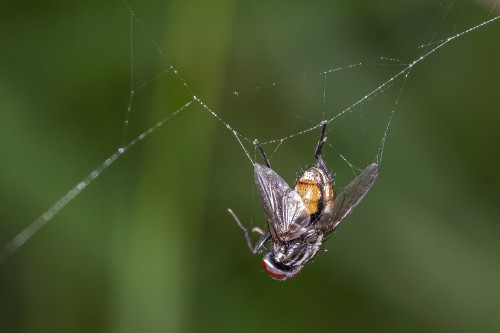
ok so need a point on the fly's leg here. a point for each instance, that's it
(262, 240)
(319, 160)
(258, 230)
(319, 147)
(321, 141)
(257, 144)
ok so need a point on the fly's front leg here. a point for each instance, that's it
(258, 230)
(262, 240)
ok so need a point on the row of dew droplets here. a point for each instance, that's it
(22, 237)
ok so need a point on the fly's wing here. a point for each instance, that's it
(350, 197)
(285, 211)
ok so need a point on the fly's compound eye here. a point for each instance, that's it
(275, 272)
(272, 271)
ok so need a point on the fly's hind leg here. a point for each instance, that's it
(266, 160)
(319, 159)
(262, 240)
(321, 141)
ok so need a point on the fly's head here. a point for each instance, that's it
(285, 260)
(274, 264)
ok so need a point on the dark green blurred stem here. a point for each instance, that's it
(161, 254)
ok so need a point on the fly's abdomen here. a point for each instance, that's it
(315, 189)
(310, 193)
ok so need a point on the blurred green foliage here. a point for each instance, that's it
(149, 246)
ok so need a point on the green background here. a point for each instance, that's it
(149, 246)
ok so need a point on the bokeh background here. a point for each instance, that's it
(149, 246)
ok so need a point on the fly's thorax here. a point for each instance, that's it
(315, 189)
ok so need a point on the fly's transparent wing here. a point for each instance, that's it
(350, 197)
(285, 211)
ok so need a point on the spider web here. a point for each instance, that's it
(326, 84)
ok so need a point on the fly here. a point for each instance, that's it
(299, 220)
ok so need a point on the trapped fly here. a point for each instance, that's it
(299, 220)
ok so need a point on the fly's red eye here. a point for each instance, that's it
(272, 271)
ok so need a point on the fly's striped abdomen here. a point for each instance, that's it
(315, 189)
(310, 192)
